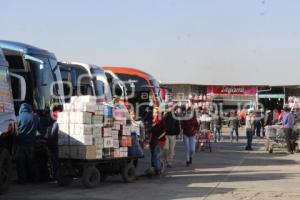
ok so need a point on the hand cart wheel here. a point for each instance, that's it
(128, 173)
(90, 177)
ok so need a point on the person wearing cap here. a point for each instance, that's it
(287, 122)
(250, 123)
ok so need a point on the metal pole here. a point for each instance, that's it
(284, 101)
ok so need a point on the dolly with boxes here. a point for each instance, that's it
(93, 141)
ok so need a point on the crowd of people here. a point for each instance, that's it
(167, 126)
(159, 130)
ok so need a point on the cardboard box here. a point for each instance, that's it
(86, 152)
(80, 117)
(67, 107)
(98, 112)
(124, 149)
(108, 153)
(64, 128)
(74, 99)
(108, 121)
(124, 152)
(63, 118)
(78, 152)
(101, 108)
(99, 154)
(97, 119)
(84, 99)
(126, 131)
(126, 141)
(115, 134)
(82, 129)
(117, 153)
(108, 142)
(117, 126)
(107, 132)
(121, 122)
(116, 144)
(97, 131)
(99, 143)
(82, 140)
(84, 107)
(72, 129)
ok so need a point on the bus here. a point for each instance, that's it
(7, 118)
(143, 89)
(83, 79)
(86, 79)
(38, 70)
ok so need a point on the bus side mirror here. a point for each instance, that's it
(19, 87)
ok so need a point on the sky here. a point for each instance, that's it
(218, 42)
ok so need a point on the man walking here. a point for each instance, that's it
(250, 123)
(287, 122)
(217, 126)
(26, 134)
(234, 123)
(172, 131)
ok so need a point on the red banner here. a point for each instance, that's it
(231, 90)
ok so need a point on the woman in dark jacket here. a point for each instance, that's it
(190, 126)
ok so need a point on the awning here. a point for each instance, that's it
(271, 96)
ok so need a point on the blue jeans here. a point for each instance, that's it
(258, 129)
(236, 130)
(190, 146)
(155, 158)
(217, 134)
(249, 134)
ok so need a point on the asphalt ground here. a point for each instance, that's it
(228, 172)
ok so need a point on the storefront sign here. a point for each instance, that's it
(232, 90)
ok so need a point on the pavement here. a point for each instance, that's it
(228, 172)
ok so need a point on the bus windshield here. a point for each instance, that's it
(42, 81)
(99, 81)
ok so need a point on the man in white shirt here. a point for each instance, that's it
(250, 122)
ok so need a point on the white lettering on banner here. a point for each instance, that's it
(233, 90)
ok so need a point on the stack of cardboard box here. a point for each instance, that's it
(88, 130)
